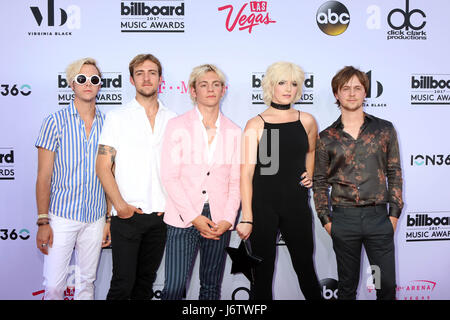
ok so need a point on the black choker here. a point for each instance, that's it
(280, 106)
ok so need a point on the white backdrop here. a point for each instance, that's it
(402, 43)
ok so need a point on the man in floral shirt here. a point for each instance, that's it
(358, 157)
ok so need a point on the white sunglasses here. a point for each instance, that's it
(81, 79)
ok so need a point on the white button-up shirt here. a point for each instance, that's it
(138, 154)
(210, 147)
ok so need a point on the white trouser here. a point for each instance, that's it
(86, 239)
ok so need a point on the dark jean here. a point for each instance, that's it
(369, 226)
(181, 251)
(137, 250)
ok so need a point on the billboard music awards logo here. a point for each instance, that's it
(307, 93)
(333, 18)
(250, 15)
(109, 94)
(374, 92)
(54, 21)
(430, 89)
(427, 226)
(406, 23)
(152, 16)
(7, 163)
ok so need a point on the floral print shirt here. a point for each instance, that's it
(360, 172)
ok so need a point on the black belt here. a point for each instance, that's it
(371, 205)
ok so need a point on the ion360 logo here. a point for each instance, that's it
(13, 234)
(430, 160)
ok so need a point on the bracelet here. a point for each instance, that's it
(42, 223)
(249, 222)
(107, 218)
(42, 216)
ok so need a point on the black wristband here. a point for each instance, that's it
(249, 222)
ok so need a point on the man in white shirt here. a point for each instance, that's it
(128, 164)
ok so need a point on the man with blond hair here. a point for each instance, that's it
(70, 199)
(200, 172)
(128, 164)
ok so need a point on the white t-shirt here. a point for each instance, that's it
(138, 154)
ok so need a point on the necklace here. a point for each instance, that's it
(280, 106)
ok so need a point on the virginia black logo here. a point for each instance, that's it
(374, 91)
(378, 88)
(70, 18)
(333, 18)
(51, 14)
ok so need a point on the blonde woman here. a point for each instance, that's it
(277, 169)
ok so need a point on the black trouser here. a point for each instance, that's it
(137, 249)
(369, 226)
(296, 229)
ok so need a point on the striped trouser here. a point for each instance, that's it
(181, 249)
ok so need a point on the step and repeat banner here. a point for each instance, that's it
(403, 46)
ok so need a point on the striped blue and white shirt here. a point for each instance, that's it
(76, 192)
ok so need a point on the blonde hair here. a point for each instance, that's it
(74, 68)
(281, 71)
(201, 70)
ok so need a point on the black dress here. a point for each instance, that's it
(280, 203)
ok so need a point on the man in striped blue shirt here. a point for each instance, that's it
(70, 200)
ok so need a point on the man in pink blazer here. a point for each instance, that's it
(200, 172)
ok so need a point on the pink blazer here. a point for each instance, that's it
(186, 174)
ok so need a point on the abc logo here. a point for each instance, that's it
(333, 18)
(329, 288)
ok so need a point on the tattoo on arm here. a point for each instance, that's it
(107, 150)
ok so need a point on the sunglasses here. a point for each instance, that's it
(81, 79)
